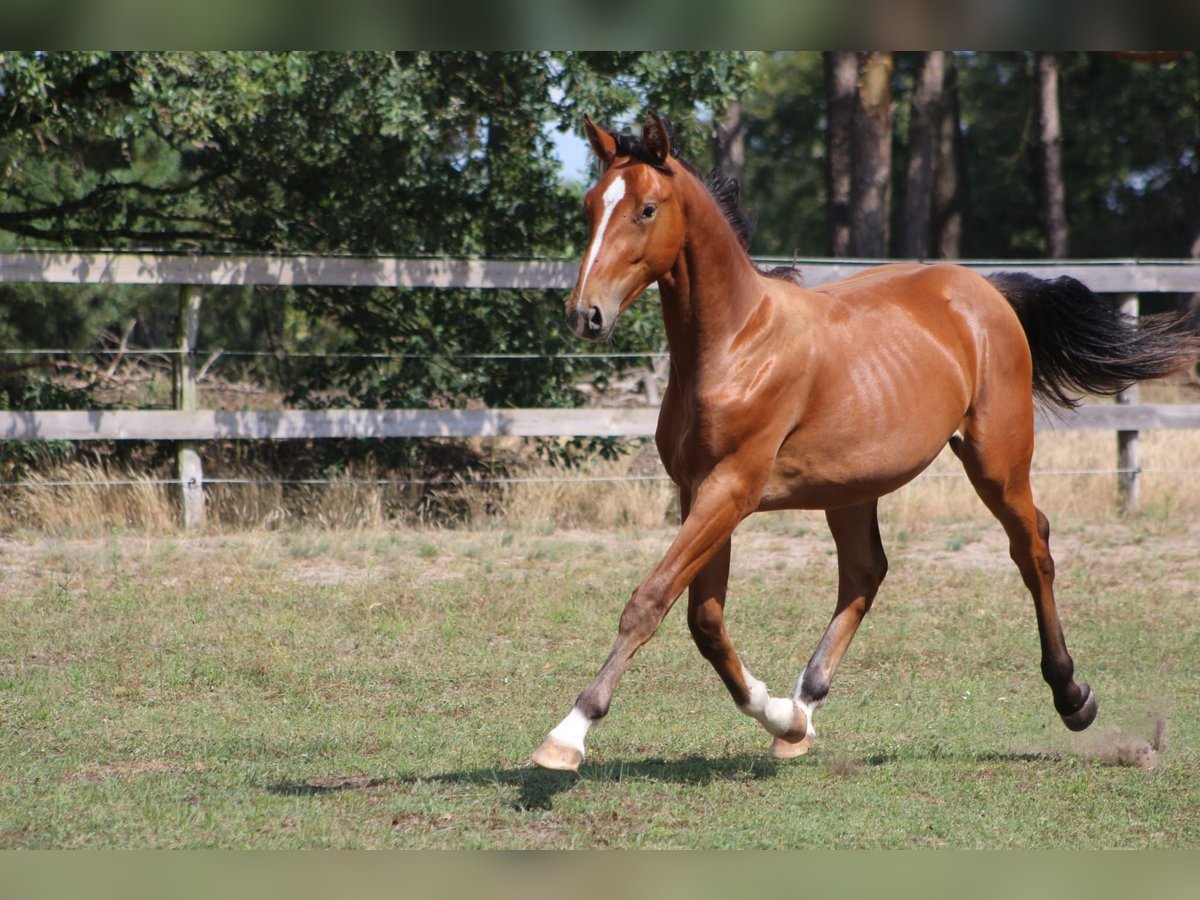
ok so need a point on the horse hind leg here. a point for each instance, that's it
(999, 472)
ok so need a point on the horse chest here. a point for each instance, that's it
(697, 429)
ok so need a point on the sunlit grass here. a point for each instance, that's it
(385, 688)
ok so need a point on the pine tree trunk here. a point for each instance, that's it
(1194, 238)
(1054, 204)
(950, 185)
(841, 86)
(923, 125)
(729, 143)
(871, 181)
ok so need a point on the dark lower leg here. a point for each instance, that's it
(1029, 546)
(862, 566)
(997, 454)
(1031, 552)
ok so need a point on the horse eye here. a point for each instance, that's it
(649, 210)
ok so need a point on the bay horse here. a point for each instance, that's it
(781, 397)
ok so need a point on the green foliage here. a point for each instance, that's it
(451, 153)
(616, 88)
(785, 156)
(1129, 153)
(406, 154)
(1130, 133)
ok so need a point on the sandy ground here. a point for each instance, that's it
(318, 557)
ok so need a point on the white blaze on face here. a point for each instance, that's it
(611, 197)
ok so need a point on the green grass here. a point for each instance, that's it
(386, 689)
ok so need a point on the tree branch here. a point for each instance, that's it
(100, 194)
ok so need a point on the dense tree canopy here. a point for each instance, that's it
(451, 153)
(407, 154)
(1130, 165)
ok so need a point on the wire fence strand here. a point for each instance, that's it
(305, 354)
(498, 481)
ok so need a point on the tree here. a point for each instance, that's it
(1127, 154)
(924, 125)
(950, 201)
(841, 90)
(1054, 203)
(414, 153)
(1131, 167)
(729, 142)
(871, 179)
(784, 185)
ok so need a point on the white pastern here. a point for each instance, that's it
(611, 197)
(807, 708)
(572, 730)
(775, 713)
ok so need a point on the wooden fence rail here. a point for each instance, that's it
(188, 425)
(313, 424)
(1109, 276)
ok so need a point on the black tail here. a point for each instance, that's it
(1081, 344)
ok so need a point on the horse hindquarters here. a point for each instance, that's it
(1076, 343)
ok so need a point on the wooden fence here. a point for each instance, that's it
(188, 425)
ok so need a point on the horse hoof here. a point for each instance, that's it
(782, 748)
(1085, 715)
(560, 757)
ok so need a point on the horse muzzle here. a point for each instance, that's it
(589, 323)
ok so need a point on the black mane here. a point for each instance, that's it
(725, 190)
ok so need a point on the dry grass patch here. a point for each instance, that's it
(81, 498)
(1074, 479)
(625, 493)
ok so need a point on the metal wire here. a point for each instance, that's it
(37, 351)
(304, 354)
(477, 482)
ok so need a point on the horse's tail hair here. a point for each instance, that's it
(1081, 344)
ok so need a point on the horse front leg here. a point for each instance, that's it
(862, 565)
(783, 717)
(719, 504)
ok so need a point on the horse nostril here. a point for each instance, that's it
(595, 319)
(576, 319)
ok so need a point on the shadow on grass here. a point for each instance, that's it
(537, 787)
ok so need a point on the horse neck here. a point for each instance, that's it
(712, 287)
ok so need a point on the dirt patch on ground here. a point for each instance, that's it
(1114, 746)
(333, 558)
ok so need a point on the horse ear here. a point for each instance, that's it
(656, 137)
(604, 145)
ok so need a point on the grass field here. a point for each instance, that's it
(385, 688)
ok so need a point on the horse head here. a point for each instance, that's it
(636, 221)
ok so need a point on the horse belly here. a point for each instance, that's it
(832, 469)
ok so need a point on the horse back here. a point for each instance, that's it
(946, 318)
(902, 354)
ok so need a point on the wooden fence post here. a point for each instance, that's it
(191, 471)
(1128, 457)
